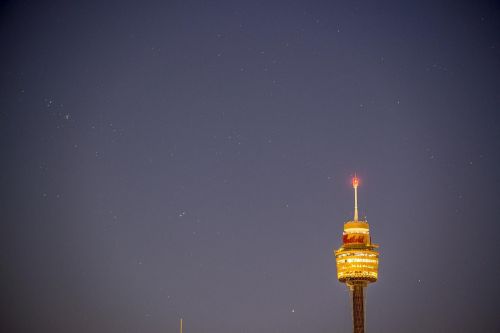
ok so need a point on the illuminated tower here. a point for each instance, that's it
(357, 262)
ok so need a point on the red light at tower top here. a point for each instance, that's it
(355, 181)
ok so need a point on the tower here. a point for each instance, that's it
(357, 262)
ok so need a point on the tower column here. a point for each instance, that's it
(358, 309)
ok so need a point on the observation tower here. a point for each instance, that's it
(357, 262)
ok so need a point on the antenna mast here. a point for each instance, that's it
(355, 183)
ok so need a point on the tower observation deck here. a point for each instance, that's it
(357, 262)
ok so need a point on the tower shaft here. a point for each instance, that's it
(358, 308)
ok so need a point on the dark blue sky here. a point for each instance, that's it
(192, 159)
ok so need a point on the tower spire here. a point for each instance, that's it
(181, 325)
(355, 183)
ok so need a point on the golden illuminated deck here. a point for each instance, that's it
(357, 258)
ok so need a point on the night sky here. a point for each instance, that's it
(168, 159)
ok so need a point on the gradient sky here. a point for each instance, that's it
(167, 159)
